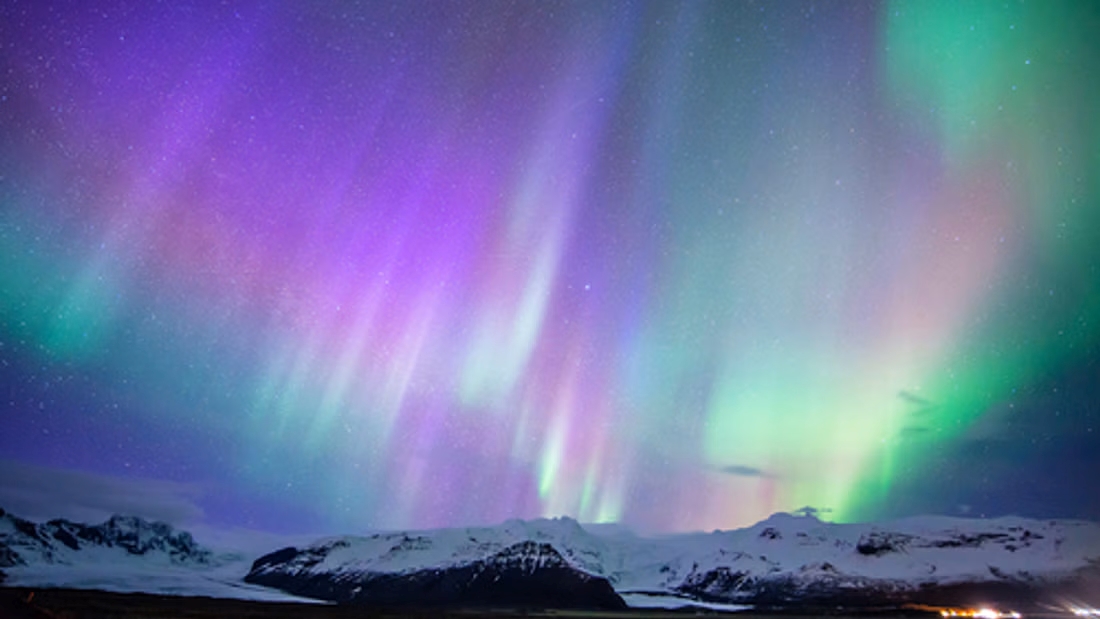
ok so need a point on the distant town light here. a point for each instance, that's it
(980, 613)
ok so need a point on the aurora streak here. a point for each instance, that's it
(680, 265)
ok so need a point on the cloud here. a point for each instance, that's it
(810, 511)
(40, 493)
(924, 405)
(745, 471)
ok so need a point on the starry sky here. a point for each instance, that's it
(338, 266)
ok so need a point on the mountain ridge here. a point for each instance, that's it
(59, 540)
(784, 561)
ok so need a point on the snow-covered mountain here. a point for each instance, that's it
(23, 542)
(934, 560)
(527, 573)
(123, 554)
(783, 561)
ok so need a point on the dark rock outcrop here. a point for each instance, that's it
(8, 557)
(879, 543)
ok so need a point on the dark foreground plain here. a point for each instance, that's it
(28, 603)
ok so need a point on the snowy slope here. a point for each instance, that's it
(221, 581)
(404, 551)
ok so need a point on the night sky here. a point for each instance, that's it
(339, 266)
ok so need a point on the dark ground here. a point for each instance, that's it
(28, 603)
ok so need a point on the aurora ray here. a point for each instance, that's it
(680, 265)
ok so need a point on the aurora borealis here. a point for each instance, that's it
(342, 266)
